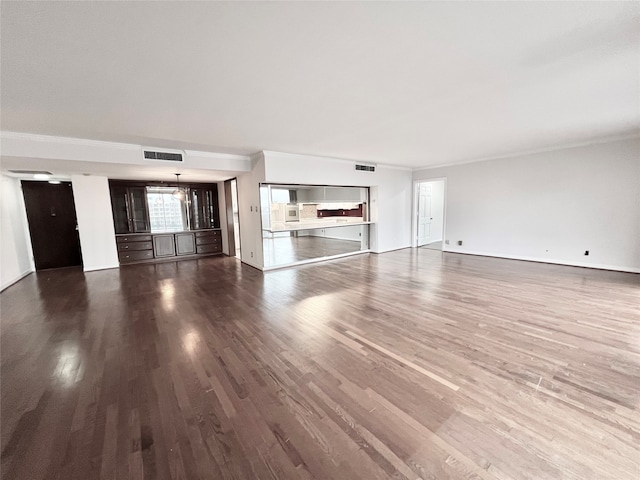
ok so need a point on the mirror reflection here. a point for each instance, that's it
(305, 222)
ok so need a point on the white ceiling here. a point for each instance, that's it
(415, 84)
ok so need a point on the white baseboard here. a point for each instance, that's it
(390, 250)
(105, 267)
(545, 260)
(254, 265)
(15, 280)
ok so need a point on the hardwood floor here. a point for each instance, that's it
(411, 364)
(288, 250)
(433, 246)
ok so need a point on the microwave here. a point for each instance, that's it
(292, 213)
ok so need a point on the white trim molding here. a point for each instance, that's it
(596, 266)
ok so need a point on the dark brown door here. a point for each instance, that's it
(52, 224)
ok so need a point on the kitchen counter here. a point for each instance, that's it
(313, 224)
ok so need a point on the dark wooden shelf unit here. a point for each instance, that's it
(131, 220)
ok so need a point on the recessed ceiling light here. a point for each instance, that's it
(54, 182)
(41, 176)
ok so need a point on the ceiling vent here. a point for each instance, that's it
(366, 168)
(165, 156)
(30, 172)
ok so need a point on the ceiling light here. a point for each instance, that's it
(178, 192)
(41, 176)
(54, 182)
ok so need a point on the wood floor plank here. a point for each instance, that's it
(410, 364)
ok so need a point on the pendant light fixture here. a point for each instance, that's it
(179, 193)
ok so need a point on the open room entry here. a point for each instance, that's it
(429, 214)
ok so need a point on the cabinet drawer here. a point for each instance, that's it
(135, 255)
(210, 248)
(124, 247)
(206, 233)
(133, 238)
(207, 240)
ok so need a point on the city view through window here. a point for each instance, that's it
(166, 212)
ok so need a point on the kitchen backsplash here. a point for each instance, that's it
(309, 211)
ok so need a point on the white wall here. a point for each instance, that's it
(249, 213)
(549, 206)
(390, 192)
(437, 210)
(95, 222)
(16, 258)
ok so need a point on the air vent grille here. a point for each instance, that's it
(31, 172)
(366, 168)
(170, 157)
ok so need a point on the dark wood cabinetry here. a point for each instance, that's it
(341, 212)
(204, 208)
(130, 209)
(135, 248)
(133, 219)
(209, 242)
(132, 248)
(164, 245)
(185, 244)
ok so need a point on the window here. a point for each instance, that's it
(166, 212)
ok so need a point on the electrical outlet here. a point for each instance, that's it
(459, 242)
(251, 254)
(446, 242)
(586, 252)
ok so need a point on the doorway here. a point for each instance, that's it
(233, 218)
(51, 214)
(429, 223)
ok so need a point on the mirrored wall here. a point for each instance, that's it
(306, 222)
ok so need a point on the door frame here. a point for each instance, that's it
(414, 210)
(232, 234)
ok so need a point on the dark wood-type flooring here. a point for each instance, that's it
(410, 364)
(288, 250)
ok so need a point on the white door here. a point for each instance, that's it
(424, 213)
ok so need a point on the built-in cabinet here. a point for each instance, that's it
(130, 209)
(138, 237)
(204, 208)
(164, 246)
(134, 248)
(185, 243)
